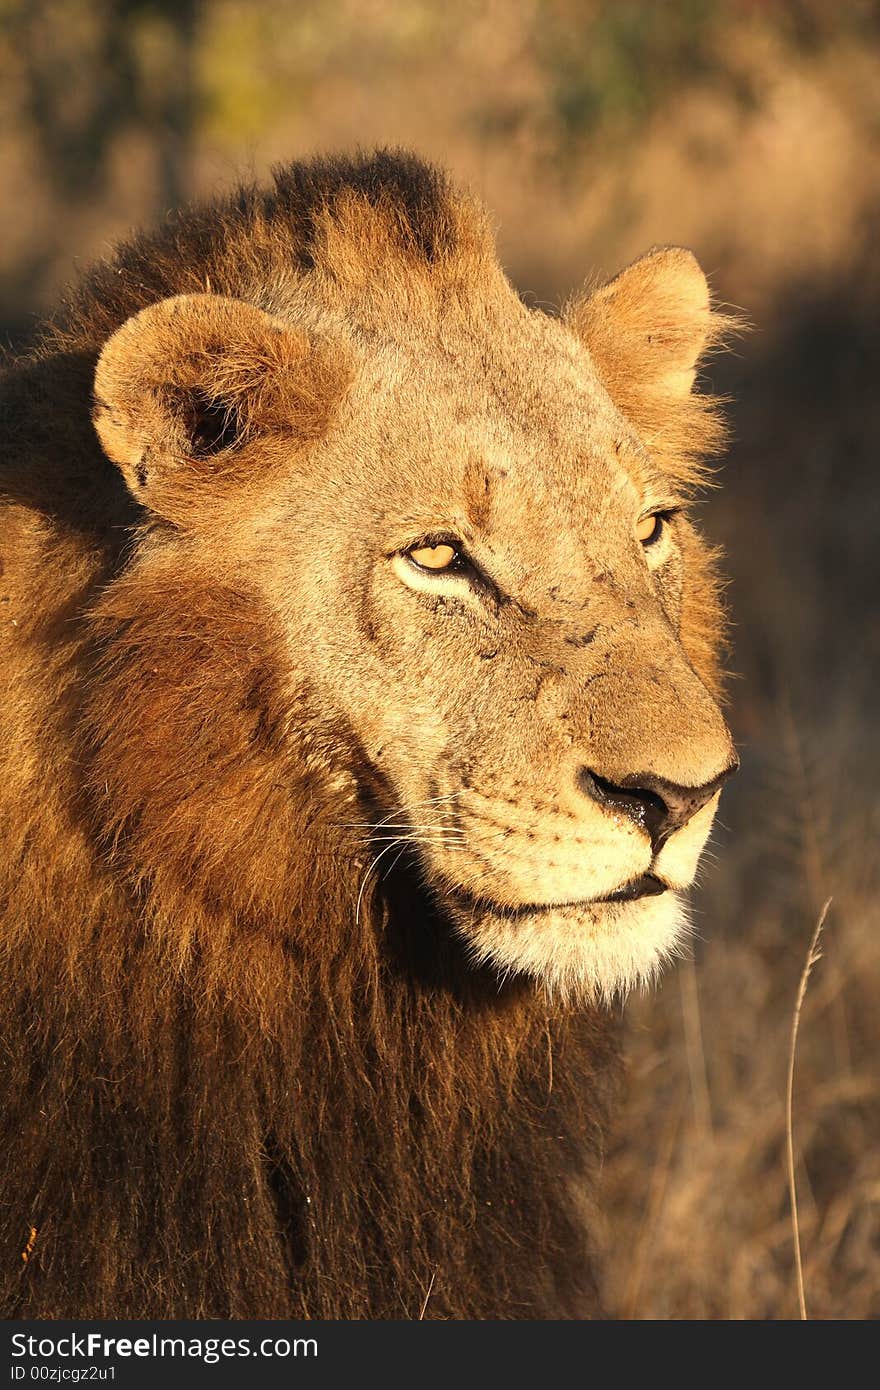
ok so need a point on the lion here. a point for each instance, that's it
(361, 735)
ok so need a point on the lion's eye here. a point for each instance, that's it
(434, 557)
(650, 528)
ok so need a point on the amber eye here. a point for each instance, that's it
(434, 557)
(650, 528)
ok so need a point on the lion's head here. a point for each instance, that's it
(470, 520)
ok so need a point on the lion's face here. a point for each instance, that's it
(496, 601)
(491, 593)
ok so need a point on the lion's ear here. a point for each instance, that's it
(653, 320)
(198, 395)
(646, 331)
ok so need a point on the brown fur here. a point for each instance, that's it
(228, 1091)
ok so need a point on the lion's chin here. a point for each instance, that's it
(584, 952)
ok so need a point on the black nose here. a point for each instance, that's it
(658, 806)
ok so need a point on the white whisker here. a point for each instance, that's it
(403, 824)
(412, 805)
(418, 839)
(372, 866)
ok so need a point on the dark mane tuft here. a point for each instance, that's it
(415, 193)
(255, 236)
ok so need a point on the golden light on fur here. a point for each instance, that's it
(324, 847)
(29, 1244)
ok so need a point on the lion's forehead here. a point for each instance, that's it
(509, 430)
(526, 370)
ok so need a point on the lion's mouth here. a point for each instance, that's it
(645, 886)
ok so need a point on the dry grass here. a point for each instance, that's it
(813, 957)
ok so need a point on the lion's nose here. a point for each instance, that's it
(658, 806)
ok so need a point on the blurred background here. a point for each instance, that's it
(748, 130)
